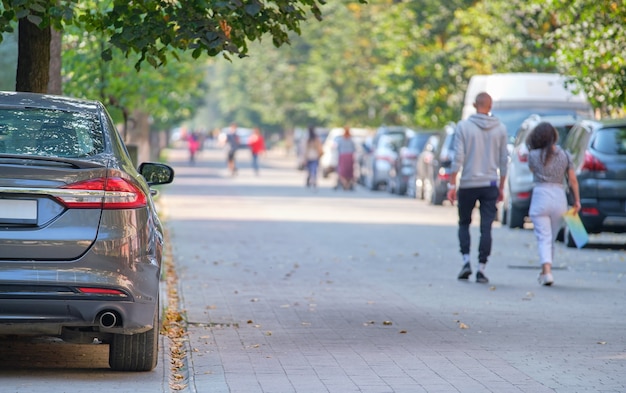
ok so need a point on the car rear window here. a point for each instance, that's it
(418, 141)
(392, 139)
(611, 141)
(52, 133)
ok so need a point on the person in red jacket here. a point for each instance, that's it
(257, 146)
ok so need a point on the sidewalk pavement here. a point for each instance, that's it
(286, 290)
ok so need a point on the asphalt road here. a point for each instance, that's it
(289, 290)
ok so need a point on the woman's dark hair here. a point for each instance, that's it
(543, 137)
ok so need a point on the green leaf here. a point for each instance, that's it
(34, 19)
(106, 55)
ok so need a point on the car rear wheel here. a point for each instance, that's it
(410, 187)
(502, 214)
(515, 218)
(401, 188)
(137, 352)
(437, 197)
(390, 186)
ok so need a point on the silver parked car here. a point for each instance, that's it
(80, 240)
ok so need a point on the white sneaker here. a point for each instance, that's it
(545, 279)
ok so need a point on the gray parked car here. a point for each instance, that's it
(80, 240)
(598, 149)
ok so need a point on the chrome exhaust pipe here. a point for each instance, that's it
(108, 319)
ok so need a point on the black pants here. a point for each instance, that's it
(467, 197)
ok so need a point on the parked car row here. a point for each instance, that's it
(404, 171)
(380, 153)
(407, 161)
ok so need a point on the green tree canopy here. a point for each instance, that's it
(153, 30)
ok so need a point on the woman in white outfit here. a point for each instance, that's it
(549, 164)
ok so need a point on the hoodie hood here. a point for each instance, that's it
(484, 122)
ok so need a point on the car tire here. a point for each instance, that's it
(410, 187)
(390, 186)
(515, 217)
(567, 238)
(137, 352)
(560, 235)
(502, 215)
(401, 189)
(437, 197)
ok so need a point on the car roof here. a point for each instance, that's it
(353, 131)
(48, 101)
(604, 123)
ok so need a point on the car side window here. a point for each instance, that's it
(575, 144)
(610, 141)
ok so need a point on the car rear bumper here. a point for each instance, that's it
(50, 317)
(45, 301)
(602, 223)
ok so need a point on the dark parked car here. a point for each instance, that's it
(519, 180)
(403, 169)
(437, 169)
(598, 149)
(379, 155)
(80, 238)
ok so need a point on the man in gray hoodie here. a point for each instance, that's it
(481, 155)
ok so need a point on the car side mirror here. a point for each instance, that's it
(156, 173)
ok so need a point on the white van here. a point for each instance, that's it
(516, 96)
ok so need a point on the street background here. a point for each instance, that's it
(290, 290)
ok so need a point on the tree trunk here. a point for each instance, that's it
(55, 86)
(138, 135)
(33, 58)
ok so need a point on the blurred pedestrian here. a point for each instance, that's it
(257, 146)
(345, 166)
(480, 146)
(232, 142)
(193, 144)
(550, 166)
(312, 153)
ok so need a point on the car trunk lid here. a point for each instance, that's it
(36, 221)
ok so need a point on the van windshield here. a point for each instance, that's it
(513, 118)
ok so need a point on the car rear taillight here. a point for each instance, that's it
(116, 193)
(522, 156)
(589, 211)
(523, 195)
(101, 291)
(592, 164)
(384, 158)
(443, 176)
